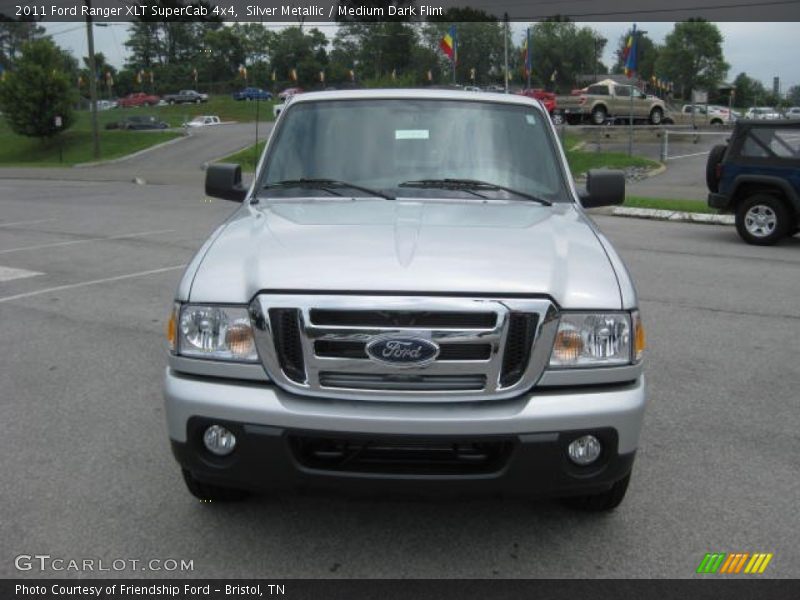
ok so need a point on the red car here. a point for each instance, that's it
(138, 99)
(546, 98)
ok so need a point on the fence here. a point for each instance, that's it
(695, 136)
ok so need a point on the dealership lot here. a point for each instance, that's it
(87, 272)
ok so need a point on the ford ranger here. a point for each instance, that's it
(409, 296)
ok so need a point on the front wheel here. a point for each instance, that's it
(558, 118)
(604, 501)
(207, 492)
(599, 115)
(762, 220)
(656, 116)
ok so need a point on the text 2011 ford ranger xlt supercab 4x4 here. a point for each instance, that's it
(410, 296)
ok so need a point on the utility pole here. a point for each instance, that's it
(505, 49)
(92, 81)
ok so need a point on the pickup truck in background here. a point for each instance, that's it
(186, 97)
(609, 101)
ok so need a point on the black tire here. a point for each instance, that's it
(171, 102)
(558, 118)
(207, 492)
(599, 115)
(197, 101)
(656, 116)
(762, 219)
(714, 158)
(604, 501)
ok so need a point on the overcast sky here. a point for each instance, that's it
(762, 50)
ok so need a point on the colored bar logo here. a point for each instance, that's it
(734, 563)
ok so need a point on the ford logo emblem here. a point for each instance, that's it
(401, 351)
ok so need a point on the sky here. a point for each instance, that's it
(762, 50)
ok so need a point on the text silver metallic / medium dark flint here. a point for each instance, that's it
(402, 351)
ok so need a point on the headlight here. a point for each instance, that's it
(216, 332)
(593, 340)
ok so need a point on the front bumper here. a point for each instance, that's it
(527, 436)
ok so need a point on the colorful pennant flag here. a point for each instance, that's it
(448, 44)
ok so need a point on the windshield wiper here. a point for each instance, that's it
(329, 185)
(469, 185)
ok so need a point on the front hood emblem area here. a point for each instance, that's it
(402, 351)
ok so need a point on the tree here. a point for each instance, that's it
(39, 89)
(13, 34)
(692, 57)
(749, 91)
(647, 54)
(561, 51)
(793, 95)
(479, 44)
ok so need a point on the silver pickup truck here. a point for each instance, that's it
(410, 296)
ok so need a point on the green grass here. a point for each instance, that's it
(77, 141)
(580, 162)
(246, 157)
(683, 205)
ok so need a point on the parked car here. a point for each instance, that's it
(252, 93)
(186, 97)
(608, 101)
(763, 113)
(431, 325)
(289, 92)
(548, 99)
(138, 99)
(203, 121)
(792, 112)
(756, 176)
(138, 122)
(106, 104)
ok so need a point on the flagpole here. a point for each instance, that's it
(455, 52)
(505, 49)
(528, 61)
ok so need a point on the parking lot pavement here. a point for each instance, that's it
(88, 471)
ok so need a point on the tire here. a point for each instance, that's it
(762, 219)
(599, 115)
(197, 101)
(211, 493)
(714, 158)
(656, 116)
(604, 501)
(171, 102)
(558, 118)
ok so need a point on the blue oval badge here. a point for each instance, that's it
(399, 351)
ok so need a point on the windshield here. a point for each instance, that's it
(381, 144)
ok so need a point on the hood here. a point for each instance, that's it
(408, 245)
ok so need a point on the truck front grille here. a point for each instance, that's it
(316, 345)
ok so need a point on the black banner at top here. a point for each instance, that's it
(318, 11)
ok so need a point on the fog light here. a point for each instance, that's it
(219, 440)
(585, 450)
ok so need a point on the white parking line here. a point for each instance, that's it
(86, 241)
(9, 274)
(72, 286)
(25, 222)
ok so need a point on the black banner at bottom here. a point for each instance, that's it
(389, 589)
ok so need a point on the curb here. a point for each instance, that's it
(667, 215)
(114, 161)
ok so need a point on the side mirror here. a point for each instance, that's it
(603, 188)
(224, 180)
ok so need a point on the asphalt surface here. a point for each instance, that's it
(87, 274)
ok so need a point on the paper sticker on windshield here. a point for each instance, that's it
(411, 134)
(531, 119)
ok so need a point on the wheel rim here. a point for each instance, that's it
(599, 117)
(656, 117)
(760, 221)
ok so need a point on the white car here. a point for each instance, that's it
(762, 113)
(203, 121)
(793, 112)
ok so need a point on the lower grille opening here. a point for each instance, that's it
(400, 382)
(410, 456)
